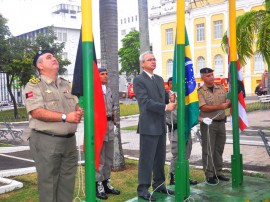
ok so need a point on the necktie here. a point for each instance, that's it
(155, 84)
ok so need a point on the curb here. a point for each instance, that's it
(11, 185)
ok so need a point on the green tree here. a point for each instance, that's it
(129, 53)
(16, 56)
(252, 28)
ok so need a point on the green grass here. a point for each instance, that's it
(8, 115)
(129, 109)
(5, 145)
(125, 110)
(130, 128)
(125, 181)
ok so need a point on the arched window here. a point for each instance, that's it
(170, 67)
(258, 62)
(218, 64)
(200, 63)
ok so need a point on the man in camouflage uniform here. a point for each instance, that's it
(213, 102)
(103, 186)
(53, 117)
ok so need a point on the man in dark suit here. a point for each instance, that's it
(153, 103)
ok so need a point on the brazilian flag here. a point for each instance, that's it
(192, 103)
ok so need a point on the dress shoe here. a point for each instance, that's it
(223, 178)
(109, 189)
(100, 193)
(148, 197)
(192, 182)
(211, 180)
(165, 191)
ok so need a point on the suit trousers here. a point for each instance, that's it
(151, 162)
(213, 147)
(56, 161)
(106, 161)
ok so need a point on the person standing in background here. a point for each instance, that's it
(103, 175)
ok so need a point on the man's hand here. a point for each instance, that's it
(172, 96)
(170, 106)
(224, 105)
(207, 121)
(74, 117)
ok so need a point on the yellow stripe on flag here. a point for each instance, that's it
(87, 28)
(193, 97)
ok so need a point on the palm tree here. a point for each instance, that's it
(109, 60)
(253, 28)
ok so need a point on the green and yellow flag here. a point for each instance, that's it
(192, 103)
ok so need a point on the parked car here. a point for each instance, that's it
(131, 93)
(259, 90)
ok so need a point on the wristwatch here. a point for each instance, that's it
(64, 117)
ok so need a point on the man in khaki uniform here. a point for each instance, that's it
(213, 102)
(53, 117)
(103, 185)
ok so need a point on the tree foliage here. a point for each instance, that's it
(16, 56)
(252, 30)
(129, 53)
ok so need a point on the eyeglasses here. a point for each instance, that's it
(151, 59)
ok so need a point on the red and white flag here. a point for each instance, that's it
(242, 114)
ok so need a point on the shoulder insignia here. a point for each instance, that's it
(34, 80)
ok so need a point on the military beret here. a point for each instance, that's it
(102, 69)
(206, 70)
(38, 54)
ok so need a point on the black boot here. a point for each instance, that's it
(100, 193)
(172, 181)
(109, 189)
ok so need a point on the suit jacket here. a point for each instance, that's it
(152, 99)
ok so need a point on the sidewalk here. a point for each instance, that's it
(255, 158)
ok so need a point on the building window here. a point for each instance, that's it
(65, 55)
(258, 62)
(124, 20)
(200, 32)
(170, 68)
(131, 18)
(59, 36)
(64, 37)
(121, 21)
(200, 63)
(169, 36)
(218, 29)
(136, 17)
(128, 19)
(218, 65)
(123, 32)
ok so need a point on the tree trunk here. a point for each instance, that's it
(109, 60)
(9, 84)
(143, 26)
(267, 6)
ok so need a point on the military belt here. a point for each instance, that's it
(222, 120)
(53, 135)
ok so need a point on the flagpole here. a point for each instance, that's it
(88, 100)
(236, 158)
(182, 188)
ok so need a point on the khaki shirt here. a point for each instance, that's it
(53, 96)
(206, 97)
